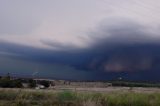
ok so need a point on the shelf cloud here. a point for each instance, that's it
(81, 39)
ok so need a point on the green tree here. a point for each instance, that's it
(18, 83)
(32, 83)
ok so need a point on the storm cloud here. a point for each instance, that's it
(124, 47)
(79, 39)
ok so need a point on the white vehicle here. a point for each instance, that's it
(40, 87)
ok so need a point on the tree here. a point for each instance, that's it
(7, 83)
(32, 83)
(45, 83)
(8, 76)
(18, 83)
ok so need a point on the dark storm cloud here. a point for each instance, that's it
(122, 32)
(24, 60)
(123, 46)
(120, 48)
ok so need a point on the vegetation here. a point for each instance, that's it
(68, 98)
(134, 84)
(32, 83)
(6, 82)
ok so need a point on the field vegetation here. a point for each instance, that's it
(20, 97)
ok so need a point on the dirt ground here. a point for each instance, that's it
(112, 89)
(103, 90)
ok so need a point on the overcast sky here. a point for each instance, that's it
(31, 32)
(68, 22)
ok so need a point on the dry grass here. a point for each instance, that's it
(20, 97)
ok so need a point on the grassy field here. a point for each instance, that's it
(27, 97)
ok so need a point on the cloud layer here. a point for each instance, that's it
(81, 39)
(30, 22)
(121, 48)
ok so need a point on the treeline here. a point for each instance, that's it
(134, 84)
(8, 82)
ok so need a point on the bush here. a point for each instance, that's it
(7, 83)
(32, 83)
(17, 83)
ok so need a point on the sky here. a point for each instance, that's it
(80, 39)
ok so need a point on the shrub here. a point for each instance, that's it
(7, 83)
(32, 83)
